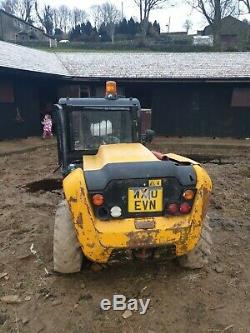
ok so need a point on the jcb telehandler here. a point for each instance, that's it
(119, 195)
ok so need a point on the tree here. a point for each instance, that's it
(24, 9)
(75, 34)
(246, 3)
(157, 27)
(64, 18)
(46, 18)
(122, 27)
(9, 6)
(103, 33)
(214, 11)
(110, 17)
(78, 16)
(145, 8)
(56, 19)
(19, 8)
(88, 29)
(187, 25)
(133, 27)
(58, 34)
(96, 15)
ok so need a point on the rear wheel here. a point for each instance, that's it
(199, 256)
(68, 255)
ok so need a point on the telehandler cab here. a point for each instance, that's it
(119, 195)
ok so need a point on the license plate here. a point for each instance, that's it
(145, 199)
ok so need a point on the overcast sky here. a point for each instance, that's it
(177, 14)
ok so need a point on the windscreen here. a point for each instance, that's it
(92, 128)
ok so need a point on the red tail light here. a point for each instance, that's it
(185, 208)
(98, 199)
(172, 209)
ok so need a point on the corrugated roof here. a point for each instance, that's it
(127, 65)
(157, 65)
(24, 58)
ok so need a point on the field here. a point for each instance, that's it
(214, 299)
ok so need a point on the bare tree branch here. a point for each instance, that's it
(24, 9)
(110, 15)
(145, 8)
(20, 8)
(9, 6)
(246, 3)
(46, 18)
(95, 13)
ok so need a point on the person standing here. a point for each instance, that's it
(47, 126)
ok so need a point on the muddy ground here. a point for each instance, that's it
(214, 299)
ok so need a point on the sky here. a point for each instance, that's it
(176, 15)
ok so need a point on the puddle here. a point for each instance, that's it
(44, 185)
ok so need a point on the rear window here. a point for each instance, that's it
(92, 128)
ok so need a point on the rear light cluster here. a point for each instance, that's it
(98, 201)
(185, 206)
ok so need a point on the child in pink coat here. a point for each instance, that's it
(47, 126)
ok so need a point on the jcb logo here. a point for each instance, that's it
(154, 182)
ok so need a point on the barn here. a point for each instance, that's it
(190, 94)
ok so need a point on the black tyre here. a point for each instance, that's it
(68, 255)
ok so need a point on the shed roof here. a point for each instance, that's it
(128, 65)
(23, 58)
(135, 65)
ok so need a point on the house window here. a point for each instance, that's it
(241, 97)
(6, 93)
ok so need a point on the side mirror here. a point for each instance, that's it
(149, 135)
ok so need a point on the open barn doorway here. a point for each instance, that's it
(141, 91)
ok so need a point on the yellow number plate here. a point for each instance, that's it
(145, 199)
(155, 182)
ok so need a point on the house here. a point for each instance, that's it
(14, 29)
(234, 33)
(190, 94)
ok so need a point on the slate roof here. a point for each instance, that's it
(157, 65)
(3, 12)
(24, 58)
(127, 65)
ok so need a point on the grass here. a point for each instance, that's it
(119, 48)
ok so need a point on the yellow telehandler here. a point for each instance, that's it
(119, 195)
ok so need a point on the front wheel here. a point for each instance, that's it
(67, 254)
(199, 256)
